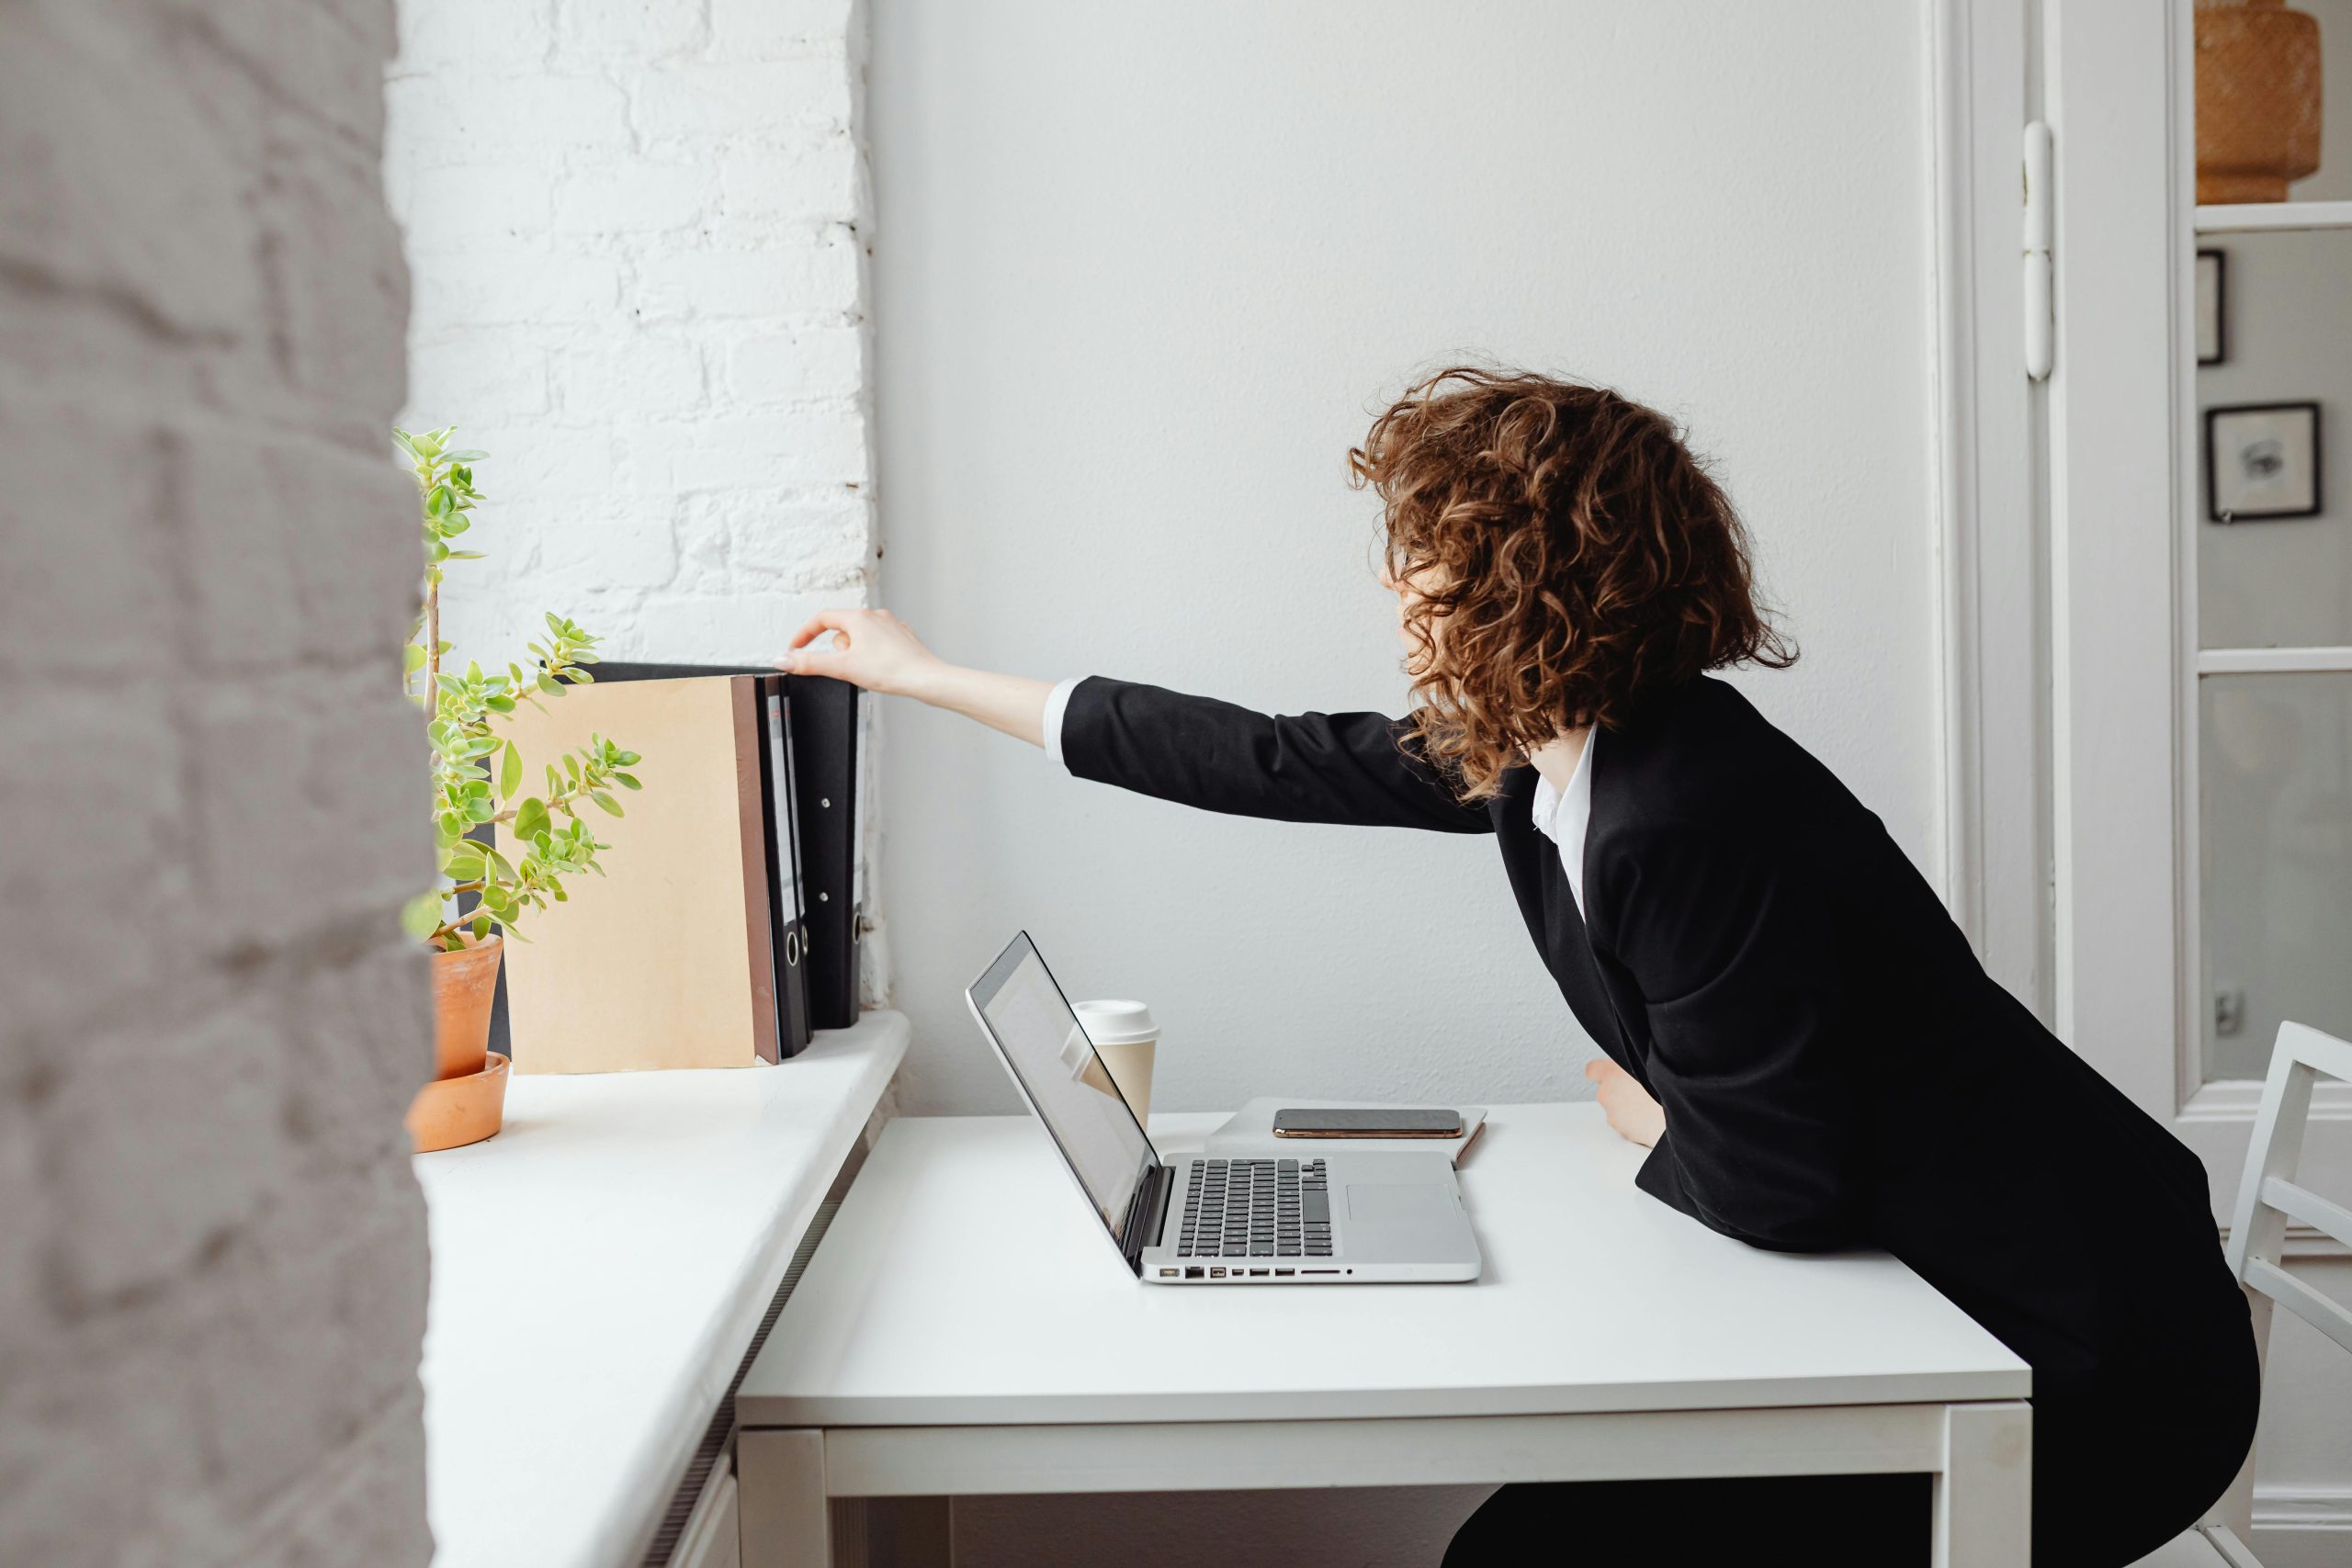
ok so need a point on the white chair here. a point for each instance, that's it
(2268, 1198)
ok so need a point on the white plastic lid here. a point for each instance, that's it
(1117, 1022)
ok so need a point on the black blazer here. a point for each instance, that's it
(1835, 1067)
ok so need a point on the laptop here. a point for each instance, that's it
(1323, 1218)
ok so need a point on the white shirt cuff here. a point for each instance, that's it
(1057, 703)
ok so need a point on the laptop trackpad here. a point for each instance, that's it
(1399, 1201)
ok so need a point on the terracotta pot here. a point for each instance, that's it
(2258, 99)
(449, 1112)
(464, 982)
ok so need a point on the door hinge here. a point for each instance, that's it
(2041, 303)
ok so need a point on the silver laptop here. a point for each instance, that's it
(1320, 1218)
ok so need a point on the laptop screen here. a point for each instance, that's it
(1043, 1043)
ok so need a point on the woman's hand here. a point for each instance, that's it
(872, 648)
(1637, 1118)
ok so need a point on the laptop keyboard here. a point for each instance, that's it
(1257, 1208)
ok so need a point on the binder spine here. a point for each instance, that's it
(787, 916)
(826, 721)
(759, 876)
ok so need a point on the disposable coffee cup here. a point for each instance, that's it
(1126, 1039)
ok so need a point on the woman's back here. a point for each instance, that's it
(1991, 1158)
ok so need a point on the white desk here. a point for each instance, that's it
(598, 1270)
(966, 1329)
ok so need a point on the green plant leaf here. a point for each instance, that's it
(464, 455)
(412, 659)
(510, 774)
(607, 802)
(627, 781)
(530, 820)
(422, 914)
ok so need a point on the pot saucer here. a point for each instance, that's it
(448, 1114)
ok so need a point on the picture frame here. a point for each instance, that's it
(2262, 461)
(2213, 307)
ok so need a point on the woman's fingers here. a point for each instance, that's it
(871, 647)
(810, 661)
(1630, 1112)
(803, 659)
(821, 623)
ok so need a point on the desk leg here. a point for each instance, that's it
(788, 1522)
(1985, 1491)
(780, 1482)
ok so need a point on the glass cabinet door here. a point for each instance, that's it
(2269, 525)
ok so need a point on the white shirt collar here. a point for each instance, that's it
(1564, 815)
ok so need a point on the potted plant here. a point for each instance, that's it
(477, 784)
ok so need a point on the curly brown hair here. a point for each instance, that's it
(1567, 557)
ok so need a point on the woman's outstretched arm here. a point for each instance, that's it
(874, 649)
(1362, 767)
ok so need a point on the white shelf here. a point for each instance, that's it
(598, 1269)
(2273, 216)
(2272, 660)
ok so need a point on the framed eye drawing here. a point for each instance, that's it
(2213, 318)
(2262, 461)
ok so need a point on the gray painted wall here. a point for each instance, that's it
(1141, 276)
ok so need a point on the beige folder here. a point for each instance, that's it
(665, 961)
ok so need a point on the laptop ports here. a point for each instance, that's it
(1216, 1273)
(1193, 1272)
(1285, 1273)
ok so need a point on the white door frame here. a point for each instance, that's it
(1993, 637)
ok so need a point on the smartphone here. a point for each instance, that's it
(1432, 1123)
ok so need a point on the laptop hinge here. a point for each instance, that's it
(1146, 1213)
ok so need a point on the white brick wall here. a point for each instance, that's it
(638, 233)
(212, 1266)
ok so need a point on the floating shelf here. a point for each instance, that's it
(2272, 660)
(2273, 216)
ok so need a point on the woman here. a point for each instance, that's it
(1795, 1027)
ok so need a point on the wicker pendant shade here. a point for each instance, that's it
(2258, 99)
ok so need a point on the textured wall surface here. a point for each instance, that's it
(212, 1255)
(637, 228)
